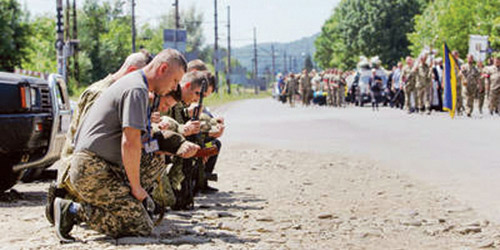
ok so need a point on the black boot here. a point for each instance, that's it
(65, 219)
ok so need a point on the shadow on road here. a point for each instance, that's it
(13, 198)
(194, 227)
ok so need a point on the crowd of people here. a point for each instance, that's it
(324, 88)
(415, 85)
(140, 142)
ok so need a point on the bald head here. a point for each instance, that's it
(196, 65)
(138, 60)
(171, 57)
(165, 71)
(133, 62)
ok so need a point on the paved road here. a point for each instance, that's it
(461, 156)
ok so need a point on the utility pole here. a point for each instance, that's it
(228, 73)
(66, 22)
(67, 39)
(60, 36)
(177, 18)
(216, 49)
(285, 70)
(133, 26)
(274, 62)
(176, 4)
(256, 69)
(76, 66)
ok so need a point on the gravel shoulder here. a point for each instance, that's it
(281, 199)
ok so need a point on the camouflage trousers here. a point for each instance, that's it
(480, 96)
(470, 94)
(409, 89)
(460, 98)
(341, 96)
(104, 192)
(423, 98)
(335, 96)
(494, 103)
(306, 96)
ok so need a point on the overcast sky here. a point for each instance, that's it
(275, 20)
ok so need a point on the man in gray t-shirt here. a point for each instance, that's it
(106, 176)
(124, 104)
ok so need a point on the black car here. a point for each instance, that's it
(34, 118)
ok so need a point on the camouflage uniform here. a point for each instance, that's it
(341, 91)
(291, 89)
(182, 168)
(423, 86)
(494, 83)
(305, 88)
(481, 92)
(104, 192)
(334, 85)
(460, 104)
(471, 76)
(409, 87)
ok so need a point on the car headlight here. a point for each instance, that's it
(25, 97)
(34, 97)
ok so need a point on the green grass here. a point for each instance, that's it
(218, 99)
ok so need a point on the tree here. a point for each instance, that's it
(495, 34)
(453, 21)
(41, 50)
(15, 32)
(191, 20)
(366, 27)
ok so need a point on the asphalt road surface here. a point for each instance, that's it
(460, 156)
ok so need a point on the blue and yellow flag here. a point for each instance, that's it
(450, 82)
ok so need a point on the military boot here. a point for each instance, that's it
(52, 193)
(65, 217)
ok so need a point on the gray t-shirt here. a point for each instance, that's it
(124, 104)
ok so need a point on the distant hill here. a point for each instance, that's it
(296, 50)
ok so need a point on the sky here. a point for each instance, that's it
(275, 20)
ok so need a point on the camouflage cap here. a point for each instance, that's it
(496, 55)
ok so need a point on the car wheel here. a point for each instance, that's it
(8, 178)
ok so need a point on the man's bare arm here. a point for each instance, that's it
(131, 157)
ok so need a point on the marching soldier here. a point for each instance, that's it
(459, 62)
(493, 75)
(471, 83)
(291, 89)
(423, 85)
(481, 91)
(408, 76)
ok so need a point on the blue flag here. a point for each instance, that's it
(450, 82)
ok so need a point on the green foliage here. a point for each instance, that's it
(15, 32)
(151, 38)
(366, 27)
(41, 52)
(495, 34)
(238, 92)
(104, 34)
(453, 21)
